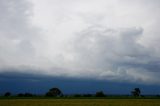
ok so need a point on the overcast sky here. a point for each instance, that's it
(114, 40)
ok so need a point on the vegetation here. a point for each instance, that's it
(54, 92)
(80, 102)
(25, 95)
(7, 94)
(100, 94)
(136, 92)
(57, 93)
(55, 97)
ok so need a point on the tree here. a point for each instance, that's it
(28, 95)
(77, 95)
(100, 94)
(54, 92)
(136, 92)
(7, 94)
(25, 94)
(20, 94)
(87, 95)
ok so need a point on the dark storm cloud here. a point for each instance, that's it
(21, 83)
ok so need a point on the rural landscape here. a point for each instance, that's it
(79, 53)
(55, 97)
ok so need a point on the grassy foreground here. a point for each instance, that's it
(80, 102)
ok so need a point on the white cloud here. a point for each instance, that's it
(107, 39)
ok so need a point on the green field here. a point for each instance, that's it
(80, 102)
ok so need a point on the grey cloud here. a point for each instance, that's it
(77, 43)
(117, 54)
(17, 36)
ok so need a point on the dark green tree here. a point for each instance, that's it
(7, 94)
(54, 92)
(136, 92)
(20, 95)
(28, 94)
(100, 94)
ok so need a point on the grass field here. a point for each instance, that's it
(80, 102)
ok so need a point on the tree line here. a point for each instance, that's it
(56, 92)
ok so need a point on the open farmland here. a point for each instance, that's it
(80, 102)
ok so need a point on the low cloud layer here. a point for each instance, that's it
(105, 40)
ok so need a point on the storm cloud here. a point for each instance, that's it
(103, 40)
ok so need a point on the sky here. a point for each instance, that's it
(86, 41)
